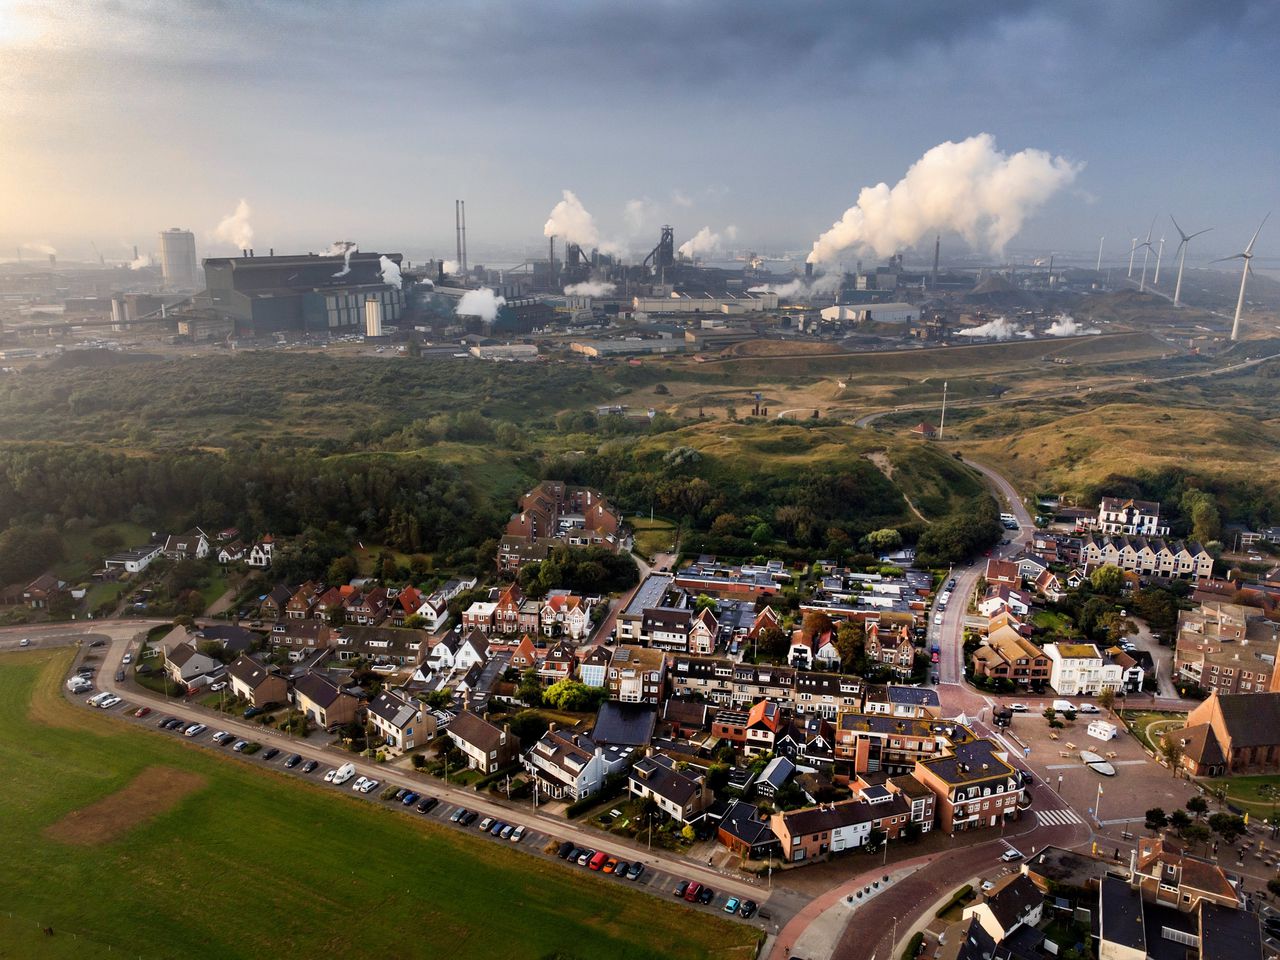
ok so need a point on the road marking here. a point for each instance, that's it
(1057, 818)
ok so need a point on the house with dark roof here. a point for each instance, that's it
(325, 701)
(232, 638)
(192, 545)
(745, 830)
(965, 940)
(272, 606)
(1230, 734)
(488, 748)
(458, 651)
(1168, 874)
(686, 716)
(42, 591)
(625, 724)
(894, 700)
(569, 765)
(974, 785)
(1012, 902)
(401, 721)
(188, 667)
(775, 776)
(682, 795)
(255, 683)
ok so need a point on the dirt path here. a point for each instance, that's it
(883, 464)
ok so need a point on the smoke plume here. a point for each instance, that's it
(480, 303)
(1065, 325)
(997, 329)
(800, 288)
(591, 288)
(969, 188)
(449, 266)
(572, 223)
(703, 242)
(37, 246)
(235, 228)
(343, 249)
(141, 263)
(390, 271)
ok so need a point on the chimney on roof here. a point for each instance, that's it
(551, 727)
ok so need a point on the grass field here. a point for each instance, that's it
(652, 536)
(1245, 792)
(1149, 725)
(204, 856)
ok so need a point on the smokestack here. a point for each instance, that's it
(244, 252)
(551, 254)
(251, 251)
(463, 203)
(271, 251)
(1051, 269)
(457, 229)
(937, 248)
(808, 270)
(135, 251)
(53, 261)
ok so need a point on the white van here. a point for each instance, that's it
(345, 773)
(1063, 705)
(97, 699)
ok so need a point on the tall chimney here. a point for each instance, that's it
(135, 251)
(937, 248)
(808, 270)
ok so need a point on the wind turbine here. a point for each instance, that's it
(1098, 268)
(1159, 256)
(1182, 256)
(1246, 256)
(1146, 253)
(1132, 250)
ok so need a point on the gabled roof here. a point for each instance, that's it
(317, 688)
(1252, 719)
(393, 708)
(477, 731)
(1200, 744)
(1010, 902)
(249, 672)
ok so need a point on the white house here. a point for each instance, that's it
(1003, 598)
(1079, 670)
(570, 766)
(133, 561)
(192, 545)
(1128, 517)
(459, 651)
(1013, 901)
(261, 552)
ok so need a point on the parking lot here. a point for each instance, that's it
(1139, 782)
(534, 841)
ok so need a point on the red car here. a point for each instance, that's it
(598, 861)
(935, 656)
(142, 711)
(692, 891)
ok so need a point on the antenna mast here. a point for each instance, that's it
(942, 424)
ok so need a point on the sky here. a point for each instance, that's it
(761, 121)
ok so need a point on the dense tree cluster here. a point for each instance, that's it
(588, 570)
(959, 537)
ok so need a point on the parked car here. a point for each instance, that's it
(1011, 855)
(691, 892)
(163, 722)
(427, 804)
(486, 823)
(585, 857)
(706, 895)
(507, 830)
(97, 643)
(1018, 707)
(517, 834)
(937, 619)
(731, 905)
(681, 888)
(329, 775)
(399, 794)
(293, 760)
(747, 909)
(126, 659)
(564, 849)
(108, 703)
(934, 657)
(239, 746)
(1089, 708)
(369, 786)
(458, 814)
(634, 871)
(409, 799)
(359, 782)
(310, 765)
(142, 711)
(271, 753)
(496, 828)
(175, 724)
(194, 730)
(609, 865)
(574, 854)
(120, 676)
(951, 585)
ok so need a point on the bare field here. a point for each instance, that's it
(152, 792)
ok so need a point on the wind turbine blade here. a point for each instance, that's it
(1150, 228)
(1249, 248)
(1236, 256)
(1198, 232)
(1181, 233)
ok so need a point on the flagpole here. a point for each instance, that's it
(1097, 806)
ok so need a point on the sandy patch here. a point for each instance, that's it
(150, 793)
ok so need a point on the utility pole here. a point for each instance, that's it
(942, 424)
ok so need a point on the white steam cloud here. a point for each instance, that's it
(800, 288)
(449, 266)
(235, 228)
(591, 288)
(390, 271)
(572, 223)
(969, 188)
(1065, 325)
(343, 249)
(40, 247)
(141, 262)
(482, 303)
(997, 329)
(706, 241)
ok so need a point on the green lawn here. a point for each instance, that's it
(80, 557)
(1144, 723)
(256, 864)
(652, 536)
(1244, 793)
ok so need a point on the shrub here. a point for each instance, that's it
(958, 897)
(912, 949)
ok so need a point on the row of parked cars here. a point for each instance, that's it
(600, 861)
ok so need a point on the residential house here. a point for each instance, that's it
(625, 724)
(1129, 517)
(1001, 598)
(272, 606)
(808, 741)
(812, 693)
(1002, 572)
(565, 614)
(554, 514)
(331, 605)
(558, 663)
(192, 545)
(255, 683)
(529, 619)
(524, 656)
(133, 561)
(405, 604)
(637, 675)
(748, 581)
(368, 608)
(568, 765)
(895, 700)
(667, 627)
(874, 743)
(487, 748)
(767, 618)
(381, 647)
(1227, 648)
(1232, 734)
(188, 667)
(812, 833)
(233, 551)
(1012, 902)
(325, 702)
(506, 612)
(1029, 567)
(776, 774)
(480, 616)
(262, 552)
(761, 731)
(401, 721)
(974, 785)
(891, 648)
(301, 638)
(459, 651)
(1005, 654)
(682, 795)
(685, 717)
(816, 650)
(703, 633)
(746, 830)
(1079, 670)
(1147, 557)
(1167, 874)
(303, 601)
(43, 591)
(593, 668)
(651, 592)
(1049, 585)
